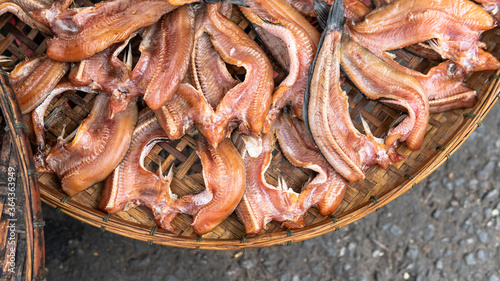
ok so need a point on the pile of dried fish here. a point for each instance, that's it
(182, 75)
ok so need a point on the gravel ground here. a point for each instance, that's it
(447, 228)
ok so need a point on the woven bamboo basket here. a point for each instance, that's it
(22, 252)
(446, 132)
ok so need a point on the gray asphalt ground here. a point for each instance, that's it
(447, 228)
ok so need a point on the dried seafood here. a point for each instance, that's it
(132, 185)
(378, 80)
(187, 49)
(326, 111)
(81, 33)
(301, 39)
(263, 202)
(33, 79)
(453, 25)
(97, 148)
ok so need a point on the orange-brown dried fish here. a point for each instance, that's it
(491, 6)
(249, 101)
(98, 147)
(81, 33)
(453, 25)
(326, 111)
(132, 185)
(224, 177)
(443, 84)
(33, 79)
(104, 71)
(187, 107)
(301, 39)
(22, 9)
(378, 80)
(209, 71)
(165, 53)
(37, 116)
(263, 202)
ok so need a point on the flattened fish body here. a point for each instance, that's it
(249, 101)
(326, 190)
(104, 71)
(224, 177)
(165, 53)
(378, 80)
(98, 147)
(326, 111)
(301, 40)
(33, 79)
(79, 34)
(210, 73)
(245, 104)
(454, 26)
(132, 185)
(263, 202)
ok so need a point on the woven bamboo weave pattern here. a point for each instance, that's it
(445, 133)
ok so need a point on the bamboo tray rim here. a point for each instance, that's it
(154, 235)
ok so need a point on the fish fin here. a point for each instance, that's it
(366, 127)
(322, 10)
(336, 16)
(434, 43)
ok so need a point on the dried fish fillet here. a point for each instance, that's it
(326, 111)
(301, 39)
(165, 53)
(209, 71)
(81, 33)
(378, 80)
(245, 104)
(33, 79)
(98, 147)
(132, 185)
(224, 177)
(453, 25)
(263, 202)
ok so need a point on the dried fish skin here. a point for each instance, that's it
(22, 9)
(378, 80)
(37, 118)
(81, 33)
(209, 71)
(326, 190)
(224, 177)
(263, 202)
(33, 79)
(491, 6)
(98, 147)
(165, 55)
(453, 25)
(301, 39)
(326, 112)
(249, 101)
(188, 107)
(132, 185)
